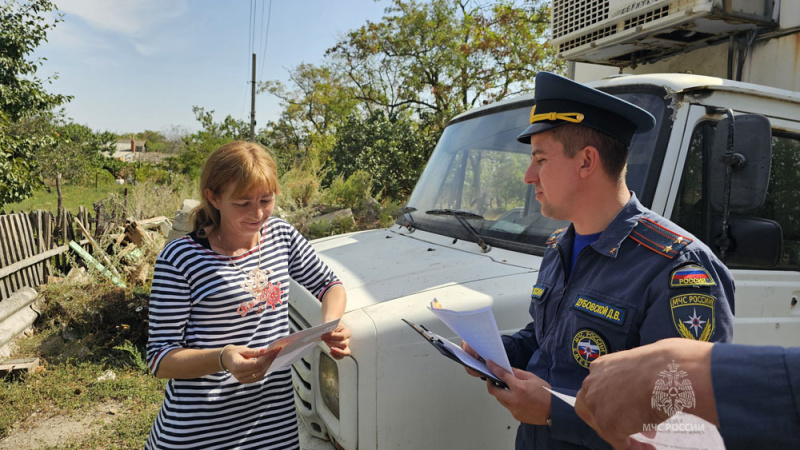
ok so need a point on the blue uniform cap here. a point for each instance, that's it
(560, 100)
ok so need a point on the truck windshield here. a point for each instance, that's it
(478, 167)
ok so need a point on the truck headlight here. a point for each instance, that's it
(329, 383)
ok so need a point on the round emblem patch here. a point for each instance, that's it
(587, 346)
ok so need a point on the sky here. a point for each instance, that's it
(135, 65)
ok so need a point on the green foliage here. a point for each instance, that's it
(199, 145)
(90, 340)
(117, 168)
(319, 229)
(388, 214)
(299, 188)
(74, 196)
(151, 198)
(351, 193)
(383, 100)
(447, 56)
(78, 150)
(144, 171)
(313, 110)
(394, 150)
(135, 356)
(93, 316)
(18, 165)
(23, 27)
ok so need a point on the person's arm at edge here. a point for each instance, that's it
(334, 302)
(757, 392)
(240, 361)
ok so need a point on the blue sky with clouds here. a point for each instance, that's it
(142, 64)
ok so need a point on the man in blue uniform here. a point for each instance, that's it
(752, 393)
(618, 277)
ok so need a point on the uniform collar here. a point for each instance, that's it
(617, 231)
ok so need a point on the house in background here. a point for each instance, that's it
(129, 150)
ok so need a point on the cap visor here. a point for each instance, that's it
(536, 128)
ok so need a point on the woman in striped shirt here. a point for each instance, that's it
(219, 298)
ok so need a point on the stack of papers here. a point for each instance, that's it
(295, 345)
(477, 328)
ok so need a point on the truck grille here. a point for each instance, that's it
(301, 370)
(302, 378)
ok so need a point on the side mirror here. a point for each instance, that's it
(750, 160)
(755, 243)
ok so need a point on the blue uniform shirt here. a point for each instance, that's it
(644, 279)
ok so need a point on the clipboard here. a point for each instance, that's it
(456, 353)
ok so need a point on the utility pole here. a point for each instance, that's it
(253, 104)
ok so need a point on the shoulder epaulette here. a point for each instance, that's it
(556, 236)
(659, 239)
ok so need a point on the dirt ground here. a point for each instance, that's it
(39, 431)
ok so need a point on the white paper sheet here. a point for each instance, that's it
(478, 328)
(680, 432)
(295, 345)
(568, 399)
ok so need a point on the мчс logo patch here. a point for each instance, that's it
(693, 315)
(587, 345)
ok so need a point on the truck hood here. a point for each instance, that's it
(380, 265)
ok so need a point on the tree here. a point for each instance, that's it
(392, 149)
(447, 56)
(199, 145)
(22, 95)
(389, 88)
(79, 149)
(321, 101)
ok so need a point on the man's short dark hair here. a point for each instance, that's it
(613, 152)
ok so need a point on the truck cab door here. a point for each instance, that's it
(764, 256)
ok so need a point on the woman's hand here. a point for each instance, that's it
(248, 365)
(338, 341)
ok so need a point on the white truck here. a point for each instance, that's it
(471, 234)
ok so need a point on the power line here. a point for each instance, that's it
(266, 40)
(250, 32)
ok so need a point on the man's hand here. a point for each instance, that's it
(475, 355)
(524, 398)
(615, 399)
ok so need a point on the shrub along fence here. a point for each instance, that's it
(33, 245)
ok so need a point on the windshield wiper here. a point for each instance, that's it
(461, 216)
(406, 211)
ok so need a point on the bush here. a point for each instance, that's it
(329, 228)
(152, 199)
(351, 193)
(299, 188)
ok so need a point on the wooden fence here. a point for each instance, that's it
(33, 246)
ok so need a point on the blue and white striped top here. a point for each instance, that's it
(198, 300)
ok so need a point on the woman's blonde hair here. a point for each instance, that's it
(245, 164)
